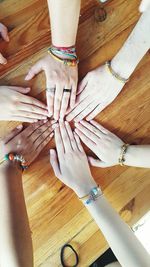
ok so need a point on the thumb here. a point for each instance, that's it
(36, 68)
(144, 5)
(82, 85)
(96, 162)
(21, 90)
(13, 133)
(54, 162)
(2, 60)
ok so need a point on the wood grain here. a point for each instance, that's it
(56, 216)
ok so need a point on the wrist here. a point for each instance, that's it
(122, 67)
(85, 188)
(8, 166)
(130, 155)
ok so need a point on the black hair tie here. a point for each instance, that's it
(62, 255)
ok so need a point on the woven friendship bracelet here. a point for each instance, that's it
(71, 62)
(122, 154)
(116, 75)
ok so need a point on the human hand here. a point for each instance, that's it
(16, 106)
(106, 145)
(58, 77)
(70, 164)
(145, 4)
(28, 142)
(4, 34)
(96, 91)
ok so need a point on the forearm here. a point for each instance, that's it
(138, 156)
(120, 237)
(15, 237)
(133, 50)
(64, 17)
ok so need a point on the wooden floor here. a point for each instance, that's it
(56, 216)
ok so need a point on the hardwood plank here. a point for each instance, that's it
(56, 216)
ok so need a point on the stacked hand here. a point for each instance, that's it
(96, 91)
(103, 143)
(70, 163)
(15, 105)
(29, 142)
(58, 78)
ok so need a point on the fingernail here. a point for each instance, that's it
(19, 126)
(53, 121)
(54, 126)
(35, 120)
(51, 151)
(66, 122)
(26, 78)
(51, 135)
(5, 62)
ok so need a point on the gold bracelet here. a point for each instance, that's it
(122, 154)
(116, 75)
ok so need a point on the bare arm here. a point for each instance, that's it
(134, 48)
(15, 237)
(64, 17)
(71, 166)
(126, 247)
(91, 102)
(138, 156)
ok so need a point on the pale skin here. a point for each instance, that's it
(4, 35)
(120, 237)
(107, 147)
(15, 234)
(58, 75)
(99, 87)
(15, 104)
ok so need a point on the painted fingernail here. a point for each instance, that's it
(51, 135)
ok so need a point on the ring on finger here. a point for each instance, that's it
(67, 90)
(51, 89)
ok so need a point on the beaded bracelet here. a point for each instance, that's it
(67, 61)
(122, 154)
(15, 157)
(92, 196)
(116, 75)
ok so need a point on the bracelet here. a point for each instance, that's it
(15, 157)
(116, 75)
(122, 154)
(92, 196)
(67, 61)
